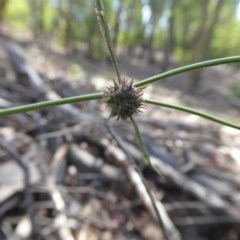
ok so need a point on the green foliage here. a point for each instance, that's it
(73, 22)
(48, 17)
(18, 13)
(226, 43)
(132, 33)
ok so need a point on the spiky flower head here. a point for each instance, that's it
(124, 99)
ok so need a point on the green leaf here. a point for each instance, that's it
(187, 68)
(192, 111)
(52, 103)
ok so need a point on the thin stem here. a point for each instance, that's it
(192, 111)
(106, 35)
(52, 103)
(142, 143)
(187, 68)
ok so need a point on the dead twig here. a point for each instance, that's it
(28, 195)
(56, 170)
(155, 207)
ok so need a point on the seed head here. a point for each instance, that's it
(124, 99)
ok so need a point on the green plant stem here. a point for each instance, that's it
(142, 143)
(192, 111)
(106, 35)
(187, 68)
(52, 103)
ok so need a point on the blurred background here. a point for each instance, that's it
(81, 185)
(191, 31)
(166, 33)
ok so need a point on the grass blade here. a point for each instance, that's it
(142, 144)
(52, 103)
(192, 111)
(187, 68)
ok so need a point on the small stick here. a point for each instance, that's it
(169, 231)
(29, 200)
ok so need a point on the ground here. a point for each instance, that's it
(84, 186)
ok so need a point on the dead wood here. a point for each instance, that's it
(27, 182)
(84, 187)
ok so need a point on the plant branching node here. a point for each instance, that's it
(124, 99)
